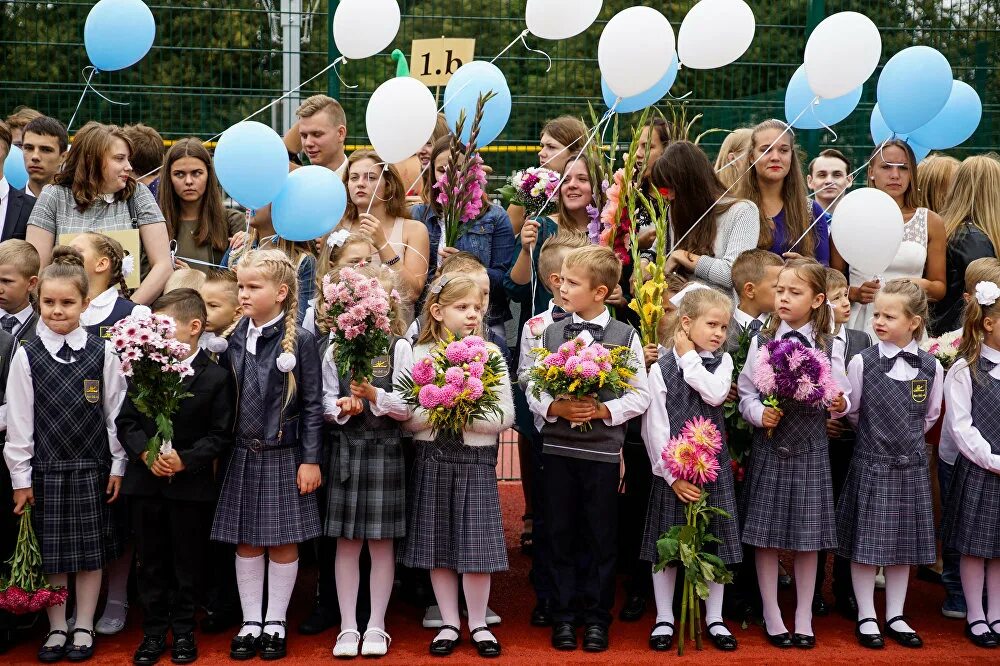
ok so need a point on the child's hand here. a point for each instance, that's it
(601, 411)
(161, 467)
(350, 406)
(529, 234)
(734, 393)
(114, 485)
(682, 343)
(839, 404)
(363, 390)
(23, 496)
(686, 492)
(834, 428)
(651, 352)
(577, 411)
(309, 478)
(173, 461)
(771, 418)
(617, 297)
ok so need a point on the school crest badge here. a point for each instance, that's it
(92, 390)
(918, 390)
(380, 366)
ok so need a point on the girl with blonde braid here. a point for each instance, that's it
(107, 267)
(267, 505)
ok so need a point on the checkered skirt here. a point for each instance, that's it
(365, 489)
(885, 516)
(788, 493)
(454, 517)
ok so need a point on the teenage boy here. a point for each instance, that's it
(44, 144)
(830, 178)
(147, 155)
(173, 499)
(581, 468)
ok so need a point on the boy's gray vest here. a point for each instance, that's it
(602, 443)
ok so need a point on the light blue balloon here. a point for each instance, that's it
(251, 162)
(309, 205)
(118, 33)
(880, 131)
(919, 151)
(828, 112)
(956, 122)
(13, 168)
(643, 99)
(462, 93)
(913, 88)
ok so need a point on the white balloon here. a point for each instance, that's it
(867, 229)
(842, 53)
(560, 19)
(362, 28)
(635, 51)
(395, 141)
(715, 33)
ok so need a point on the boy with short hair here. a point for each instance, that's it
(44, 144)
(173, 499)
(581, 468)
(755, 274)
(147, 155)
(830, 177)
(222, 300)
(19, 266)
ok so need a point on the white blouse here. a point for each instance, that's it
(958, 417)
(386, 404)
(901, 372)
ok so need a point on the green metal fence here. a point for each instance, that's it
(213, 65)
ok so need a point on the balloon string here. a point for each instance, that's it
(732, 162)
(378, 182)
(87, 86)
(337, 72)
(520, 37)
(684, 96)
(525, 43)
(816, 117)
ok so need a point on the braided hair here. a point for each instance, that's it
(112, 250)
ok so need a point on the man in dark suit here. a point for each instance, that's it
(15, 205)
(173, 499)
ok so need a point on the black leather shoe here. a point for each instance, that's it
(595, 638)
(564, 636)
(984, 640)
(820, 608)
(244, 647)
(488, 648)
(149, 650)
(908, 639)
(219, 621)
(78, 652)
(318, 621)
(779, 640)
(634, 608)
(870, 641)
(724, 642)
(663, 642)
(804, 641)
(271, 645)
(185, 649)
(541, 616)
(52, 654)
(442, 647)
(847, 606)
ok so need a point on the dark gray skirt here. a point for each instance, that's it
(972, 513)
(365, 489)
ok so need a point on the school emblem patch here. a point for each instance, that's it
(92, 390)
(380, 366)
(104, 332)
(918, 390)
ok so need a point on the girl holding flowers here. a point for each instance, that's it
(66, 388)
(787, 501)
(690, 380)
(454, 515)
(267, 504)
(365, 495)
(896, 389)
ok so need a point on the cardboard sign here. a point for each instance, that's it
(433, 61)
(129, 239)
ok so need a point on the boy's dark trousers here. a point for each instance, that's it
(581, 510)
(950, 574)
(633, 503)
(541, 551)
(841, 452)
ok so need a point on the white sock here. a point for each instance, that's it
(118, 572)
(380, 584)
(897, 578)
(445, 584)
(57, 614)
(348, 577)
(863, 580)
(476, 587)
(973, 571)
(663, 592)
(280, 583)
(767, 577)
(88, 589)
(993, 589)
(713, 609)
(805, 590)
(250, 582)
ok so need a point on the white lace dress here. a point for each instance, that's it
(909, 263)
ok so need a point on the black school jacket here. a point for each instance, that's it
(202, 432)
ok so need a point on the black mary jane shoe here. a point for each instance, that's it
(725, 642)
(662, 642)
(442, 647)
(870, 641)
(908, 639)
(185, 650)
(986, 639)
(804, 641)
(273, 646)
(783, 640)
(81, 652)
(150, 650)
(486, 649)
(244, 646)
(52, 653)
(595, 638)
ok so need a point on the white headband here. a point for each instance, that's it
(676, 299)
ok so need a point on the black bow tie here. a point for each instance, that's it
(711, 364)
(795, 335)
(8, 322)
(576, 328)
(558, 314)
(755, 325)
(986, 365)
(65, 353)
(909, 357)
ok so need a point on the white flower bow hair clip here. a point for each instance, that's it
(337, 238)
(128, 266)
(987, 293)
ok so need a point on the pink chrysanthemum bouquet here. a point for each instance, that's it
(358, 311)
(692, 456)
(26, 590)
(788, 370)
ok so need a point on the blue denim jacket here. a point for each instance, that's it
(491, 239)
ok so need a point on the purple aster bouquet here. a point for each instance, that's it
(788, 370)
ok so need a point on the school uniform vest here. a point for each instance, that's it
(857, 342)
(602, 443)
(122, 308)
(381, 379)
